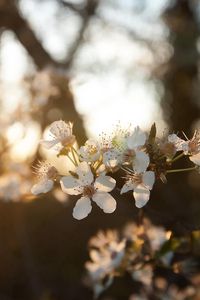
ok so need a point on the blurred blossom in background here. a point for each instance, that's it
(110, 73)
(94, 63)
(104, 52)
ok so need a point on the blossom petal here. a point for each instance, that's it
(85, 174)
(181, 145)
(105, 201)
(144, 275)
(148, 179)
(99, 287)
(112, 158)
(138, 138)
(58, 127)
(71, 185)
(42, 186)
(195, 159)
(140, 162)
(128, 186)
(49, 143)
(95, 256)
(82, 208)
(90, 151)
(105, 183)
(173, 138)
(141, 195)
(101, 170)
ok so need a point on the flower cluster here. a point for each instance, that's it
(142, 157)
(149, 255)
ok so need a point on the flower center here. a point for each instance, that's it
(92, 150)
(88, 191)
(68, 141)
(52, 173)
(194, 146)
(129, 155)
(114, 254)
(136, 178)
(118, 142)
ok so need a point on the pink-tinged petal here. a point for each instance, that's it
(128, 186)
(105, 183)
(180, 144)
(195, 159)
(85, 174)
(105, 201)
(148, 179)
(71, 185)
(140, 162)
(49, 144)
(141, 195)
(82, 208)
(173, 138)
(43, 186)
(138, 138)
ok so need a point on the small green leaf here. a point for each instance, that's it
(168, 246)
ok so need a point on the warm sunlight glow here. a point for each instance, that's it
(24, 140)
(105, 101)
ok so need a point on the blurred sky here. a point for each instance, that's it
(110, 77)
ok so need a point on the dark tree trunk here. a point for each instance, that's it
(180, 103)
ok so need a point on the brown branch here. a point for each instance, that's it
(86, 13)
(180, 102)
(131, 33)
(77, 8)
(11, 19)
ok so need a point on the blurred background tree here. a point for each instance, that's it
(92, 62)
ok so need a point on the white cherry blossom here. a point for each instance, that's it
(105, 257)
(114, 146)
(180, 144)
(136, 139)
(46, 174)
(90, 152)
(60, 135)
(141, 184)
(194, 148)
(125, 147)
(91, 189)
(194, 143)
(104, 262)
(144, 274)
(189, 147)
(140, 159)
(112, 158)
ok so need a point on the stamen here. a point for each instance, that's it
(45, 169)
(89, 191)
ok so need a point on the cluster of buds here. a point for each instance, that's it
(142, 157)
(150, 256)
